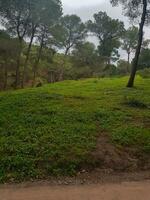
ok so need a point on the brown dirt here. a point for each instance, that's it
(109, 157)
(141, 122)
(123, 191)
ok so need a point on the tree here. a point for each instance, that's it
(44, 14)
(24, 19)
(110, 70)
(8, 51)
(135, 9)
(108, 31)
(50, 17)
(69, 32)
(42, 39)
(15, 16)
(66, 34)
(84, 54)
(60, 67)
(123, 67)
(84, 59)
(129, 43)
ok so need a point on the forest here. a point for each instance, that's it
(39, 44)
(74, 95)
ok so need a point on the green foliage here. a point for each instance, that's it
(86, 60)
(133, 8)
(52, 129)
(144, 73)
(110, 70)
(8, 53)
(69, 32)
(123, 67)
(85, 54)
(132, 102)
(108, 31)
(130, 41)
(15, 16)
(144, 61)
(31, 21)
(19, 15)
(131, 136)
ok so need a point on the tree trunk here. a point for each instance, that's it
(138, 49)
(35, 67)
(61, 74)
(27, 58)
(5, 77)
(51, 78)
(67, 51)
(17, 78)
(34, 76)
(128, 67)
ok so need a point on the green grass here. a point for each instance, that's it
(51, 130)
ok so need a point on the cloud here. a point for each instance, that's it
(87, 10)
(79, 3)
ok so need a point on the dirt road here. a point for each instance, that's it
(122, 191)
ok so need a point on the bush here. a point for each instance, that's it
(144, 73)
(132, 137)
(132, 102)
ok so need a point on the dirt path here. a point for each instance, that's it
(122, 191)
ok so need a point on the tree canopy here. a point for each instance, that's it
(70, 31)
(108, 31)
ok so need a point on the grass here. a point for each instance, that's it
(51, 130)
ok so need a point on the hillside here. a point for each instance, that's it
(62, 128)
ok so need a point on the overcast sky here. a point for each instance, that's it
(86, 8)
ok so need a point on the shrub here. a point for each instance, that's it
(132, 137)
(144, 73)
(136, 103)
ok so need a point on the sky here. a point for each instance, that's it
(79, 3)
(86, 8)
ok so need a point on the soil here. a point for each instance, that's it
(113, 158)
(119, 191)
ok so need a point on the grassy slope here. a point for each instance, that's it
(51, 130)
